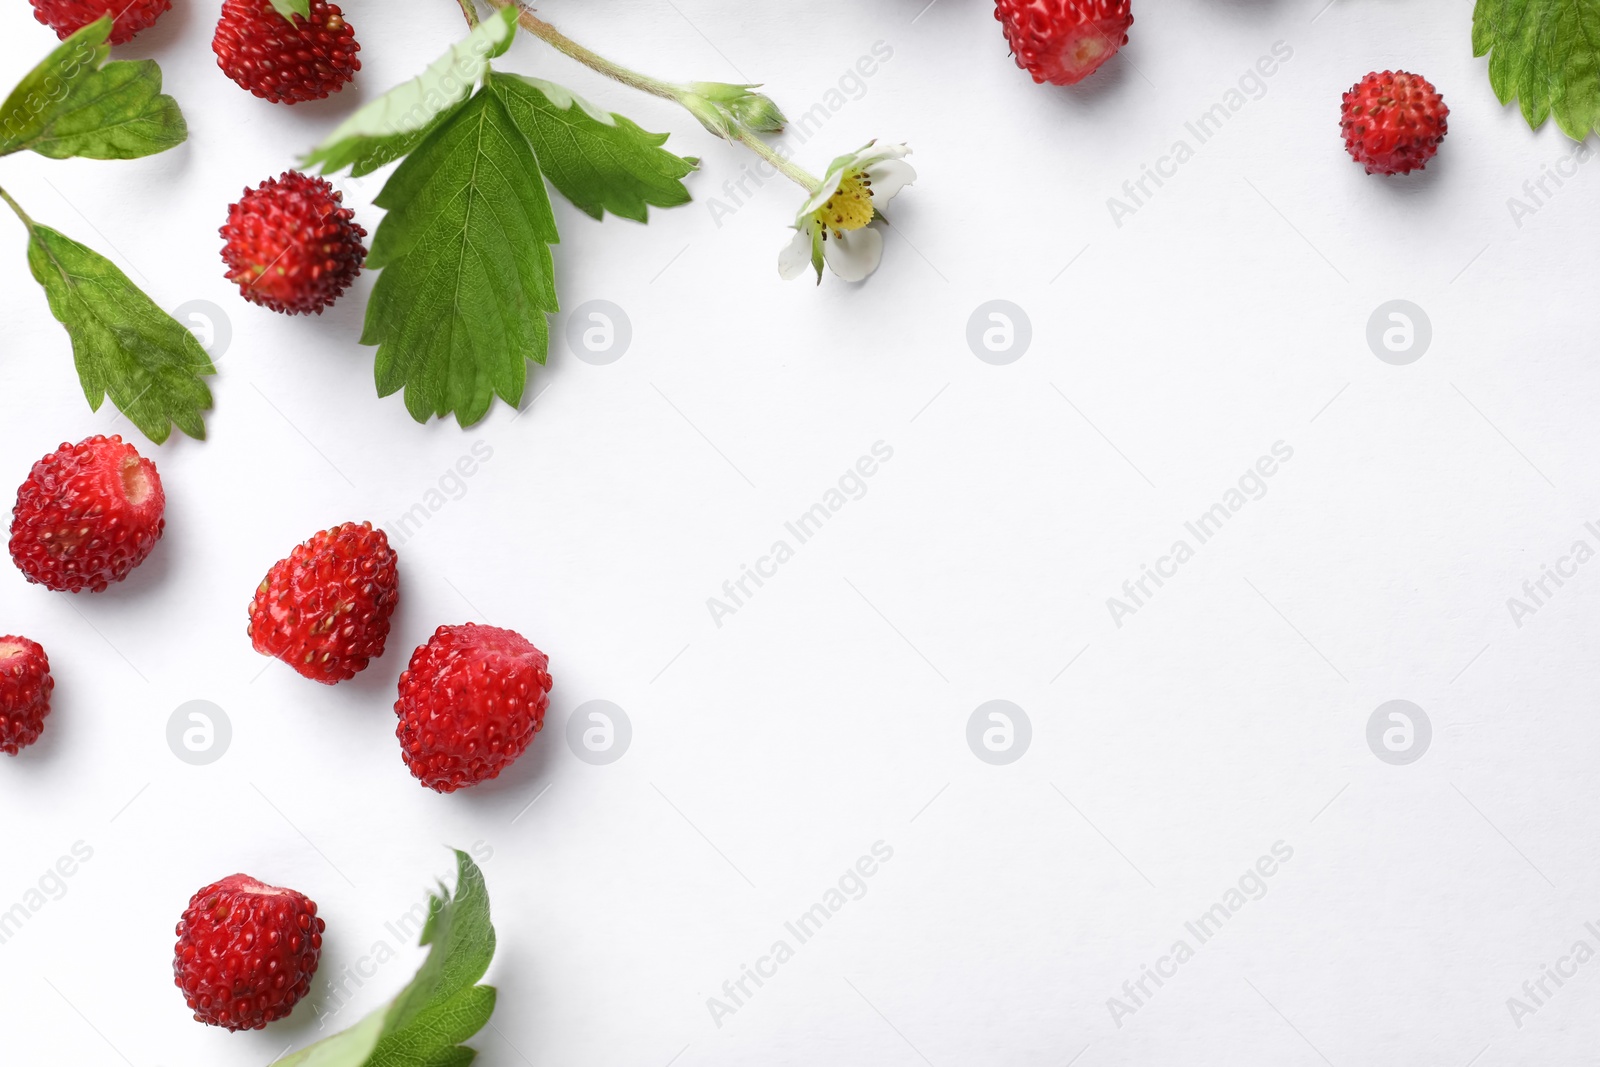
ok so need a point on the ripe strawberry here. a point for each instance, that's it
(325, 610)
(67, 17)
(285, 60)
(25, 686)
(470, 703)
(1393, 122)
(1064, 41)
(291, 244)
(87, 515)
(246, 952)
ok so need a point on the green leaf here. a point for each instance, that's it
(289, 8)
(123, 344)
(601, 162)
(1546, 55)
(442, 1007)
(467, 277)
(77, 104)
(347, 1048)
(392, 125)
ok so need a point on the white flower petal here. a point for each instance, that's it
(888, 178)
(854, 254)
(872, 154)
(850, 160)
(830, 185)
(865, 152)
(796, 256)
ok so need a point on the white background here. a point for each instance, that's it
(830, 712)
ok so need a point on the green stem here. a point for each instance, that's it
(741, 134)
(795, 173)
(469, 11)
(593, 60)
(21, 214)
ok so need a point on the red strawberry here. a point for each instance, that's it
(1064, 41)
(325, 610)
(25, 686)
(67, 17)
(87, 515)
(1393, 122)
(292, 245)
(285, 60)
(470, 703)
(246, 952)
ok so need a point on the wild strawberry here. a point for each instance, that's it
(246, 952)
(87, 515)
(325, 610)
(1064, 41)
(470, 703)
(25, 686)
(67, 17)
(1393, 122)
(291, 245)
(285, 60)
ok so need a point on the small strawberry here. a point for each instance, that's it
(291, 245)
(87, 515)
(325, 610)
(25, 686)
(1393, 122)
(67, 17)
(246, 952)
(1064, 41)
(470, 703)
(285, 60)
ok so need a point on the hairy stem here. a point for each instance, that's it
(678, 94)
(593, 60)
(797, 174)
(469, 11)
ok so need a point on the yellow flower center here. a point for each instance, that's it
(850, 208)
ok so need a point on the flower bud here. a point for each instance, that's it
(752, 110)
(758, 112)
(710, 114)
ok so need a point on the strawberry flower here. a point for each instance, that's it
(833, 226)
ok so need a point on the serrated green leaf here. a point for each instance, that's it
(77, 104)
(287, 8)
(441, 1007)
(463, 940)
(123, 344)
(438, 1032)
(467, 276)
(1545, 54)
(347, 1048)
(392, 125)
(601, 162)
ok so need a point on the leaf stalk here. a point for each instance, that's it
(731, 128)
(16, 207)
